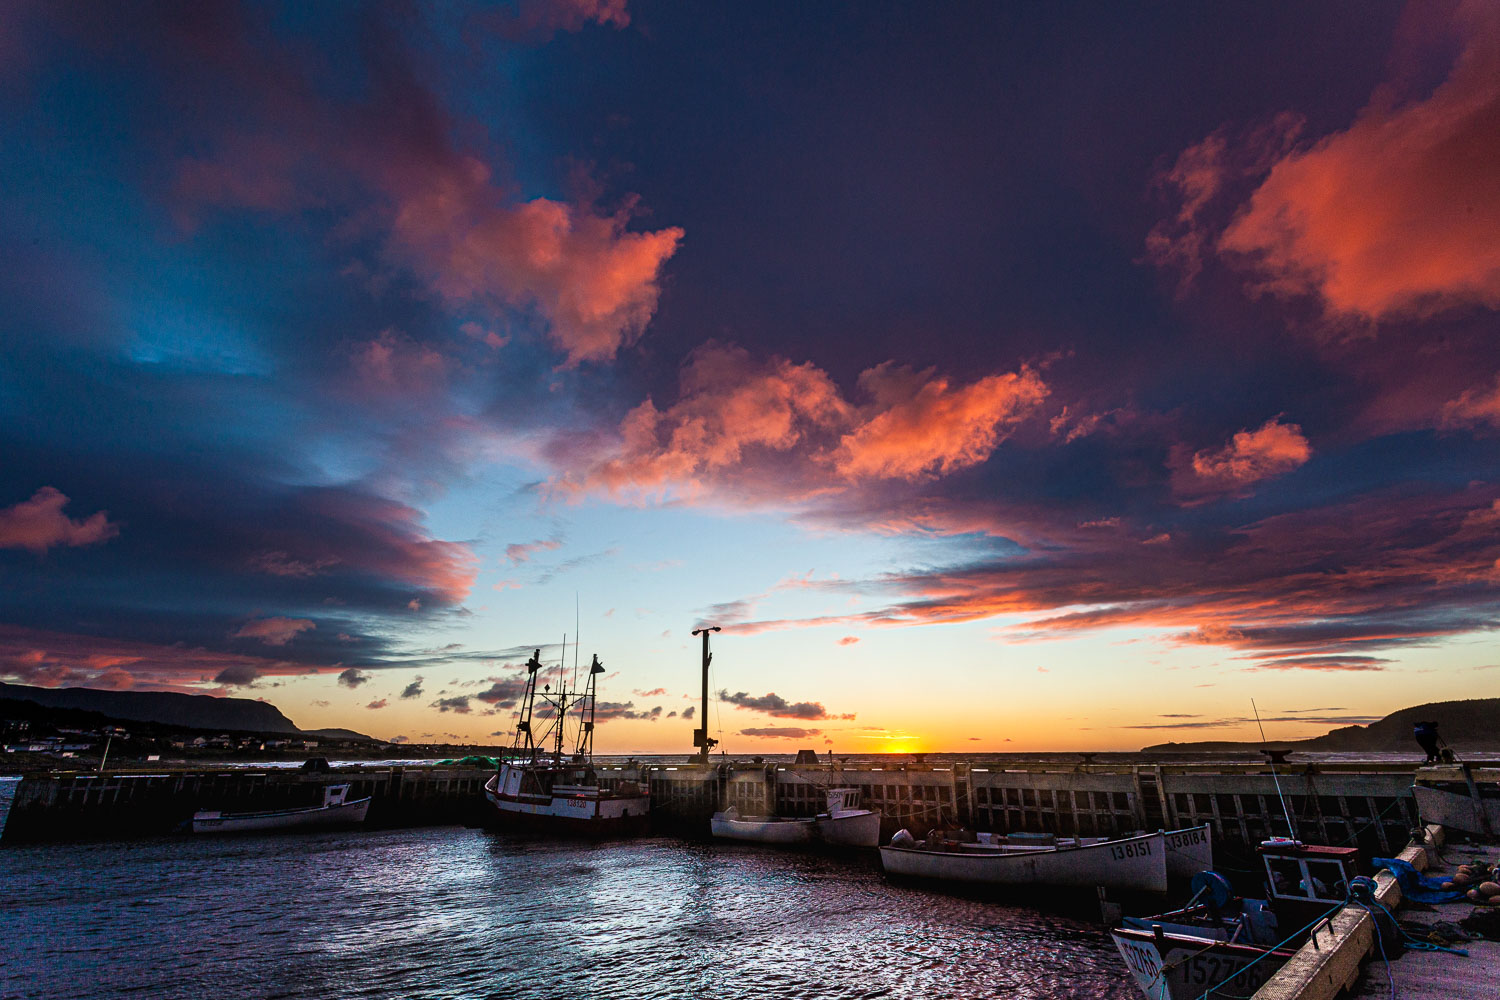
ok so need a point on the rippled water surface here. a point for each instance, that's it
(450, 913)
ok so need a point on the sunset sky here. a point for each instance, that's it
(998, 376)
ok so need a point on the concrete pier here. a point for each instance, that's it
(69, 805)
(1363, 803)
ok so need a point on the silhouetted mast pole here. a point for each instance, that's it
(701, 739)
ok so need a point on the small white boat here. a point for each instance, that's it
(1130, 863)
(843, 825)
(337, 810)
(1459, 797)
(1189, 851)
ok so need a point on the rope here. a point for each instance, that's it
(1281, 944)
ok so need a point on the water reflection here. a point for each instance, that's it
(452, 913)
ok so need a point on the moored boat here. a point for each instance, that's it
(844, 824)
(1459, 797)
(548, 792)
(1220, 946)
(1189, 851)
(337, 810)
(1130, 863)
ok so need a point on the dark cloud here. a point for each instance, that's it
(238, 675)
(458, 704)
(781, 732)
(353, 677)
(774, 704)
(414, 689)
(503, 692)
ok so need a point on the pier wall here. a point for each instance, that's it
(119, 804)
(1366, 804)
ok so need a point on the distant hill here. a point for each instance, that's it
(1464, 725)
(338, 734)
(194, 711)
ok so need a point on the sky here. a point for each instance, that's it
(998, 377)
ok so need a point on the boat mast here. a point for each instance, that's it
(701, 739)
(590, 694)
(528, 699)
(562, 701)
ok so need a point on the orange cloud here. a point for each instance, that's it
(39, 524)
(920, 425)
(761, 430)
(595, 282)
(1397, 215)
(1250, 457)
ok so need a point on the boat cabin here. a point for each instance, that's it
(841, 799)
(335, 795)
(1305, 880)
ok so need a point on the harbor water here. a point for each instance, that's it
(450, 912)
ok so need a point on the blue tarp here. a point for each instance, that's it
(1416, 886)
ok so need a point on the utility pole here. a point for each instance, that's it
(701, 739)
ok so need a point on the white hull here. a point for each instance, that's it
(857, 828)
(573, 809)
(1456, 810)
(849, 828)
(1189, 851)
(1135, 863)
(346, 814)
(762, 829)
(1182, 967)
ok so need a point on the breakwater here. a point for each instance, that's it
(71, 805)
(1366, 803)
(1363, 803)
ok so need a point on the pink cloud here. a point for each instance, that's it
(394, 364)
(377, 704)
(1397, 215)
(39, 524)
(1479, 405)
(273, 631)
(849, 640)
(595, 281)
(1250, 457)
(51, 659)
(519, 552)
(447, 213)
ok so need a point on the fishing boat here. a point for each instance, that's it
(538, 788)
(1459, 797)
(1189, 851)
(843, 825)
(1130, 863)
(1219, 946)
(337, 810)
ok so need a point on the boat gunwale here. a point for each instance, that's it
(203, 814)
